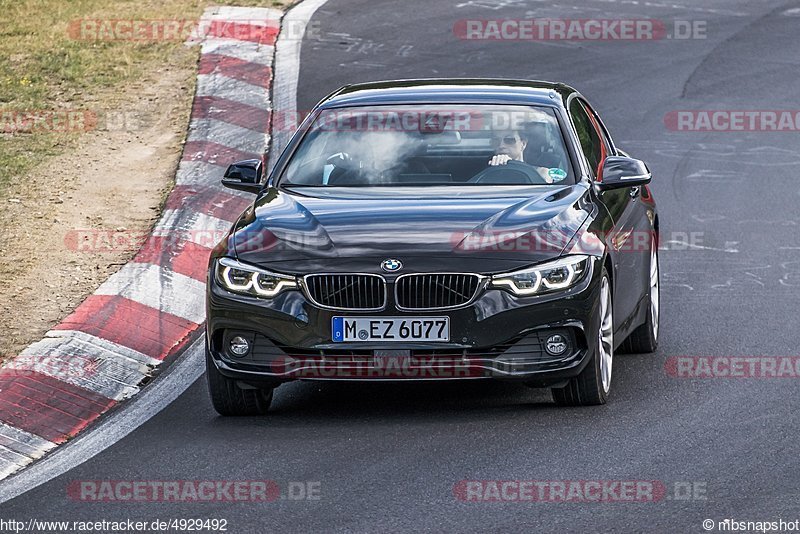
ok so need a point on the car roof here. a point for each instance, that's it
(450, 91)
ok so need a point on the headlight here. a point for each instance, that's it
(248, 280)
(560, 274)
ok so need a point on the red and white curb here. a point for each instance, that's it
(154, 306)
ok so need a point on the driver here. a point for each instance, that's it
(510, 145)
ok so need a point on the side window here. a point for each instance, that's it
(592, 145)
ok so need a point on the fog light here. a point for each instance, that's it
(556, 345)
(239, 346)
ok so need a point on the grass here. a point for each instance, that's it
(43, 68)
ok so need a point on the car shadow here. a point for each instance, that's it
(336, 403)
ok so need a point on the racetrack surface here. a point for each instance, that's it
(388, 456)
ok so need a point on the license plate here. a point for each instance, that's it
(390, 329)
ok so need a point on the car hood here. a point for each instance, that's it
(486, 229)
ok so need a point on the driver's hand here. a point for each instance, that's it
(499, 159)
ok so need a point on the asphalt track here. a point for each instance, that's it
(388, 456)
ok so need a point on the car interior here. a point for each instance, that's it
(348, 159)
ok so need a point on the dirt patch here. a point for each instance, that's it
(113, 179)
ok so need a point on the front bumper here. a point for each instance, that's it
(496, 336)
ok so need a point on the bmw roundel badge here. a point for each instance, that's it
(391, 265)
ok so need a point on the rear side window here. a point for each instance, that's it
(591, 144)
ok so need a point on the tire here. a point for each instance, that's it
(645, 338)
(231, 400)
(592, 386)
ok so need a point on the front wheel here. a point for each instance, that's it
(592, 386)
(645, 338)
(228, 398)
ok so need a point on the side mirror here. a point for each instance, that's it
(244, 176)
(623, 171)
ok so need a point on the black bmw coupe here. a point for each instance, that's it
(436, 230)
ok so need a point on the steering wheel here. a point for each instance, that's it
(344, 170)
(512, 173)
(343, 160)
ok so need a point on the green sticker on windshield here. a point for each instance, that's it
(556, 174)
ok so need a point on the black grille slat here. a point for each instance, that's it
(450, 292)
(429, 283)
(372, 292)
(347, 291)
(336, 294)
(436, 290)
(352, 291)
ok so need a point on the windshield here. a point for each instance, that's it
(431, 145)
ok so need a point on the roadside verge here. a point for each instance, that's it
(153, 307)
